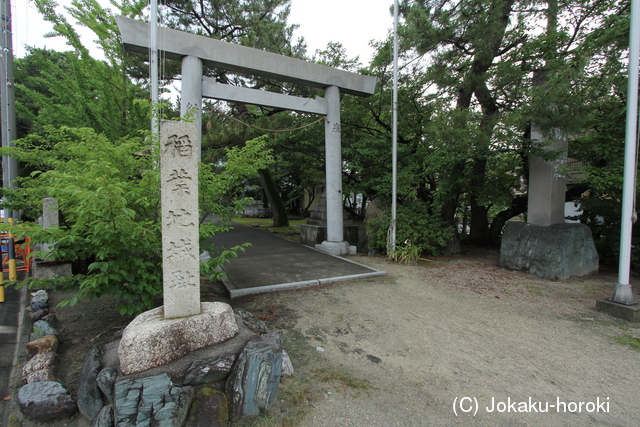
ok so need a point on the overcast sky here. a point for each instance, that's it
(351, 22)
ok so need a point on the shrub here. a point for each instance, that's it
(415, 224)
(109, 201)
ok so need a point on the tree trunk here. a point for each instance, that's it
(280, 218)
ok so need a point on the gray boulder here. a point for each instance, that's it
(45, 401)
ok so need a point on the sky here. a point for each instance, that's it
(351, 22)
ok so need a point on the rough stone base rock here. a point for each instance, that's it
(150, 340)
(178, 368)
(89, 395)
(151, 401)
(210, 408)
(106, 379)
(104, 418)
(253, 384)
(45, 401)
(207, 371)
(555, 252)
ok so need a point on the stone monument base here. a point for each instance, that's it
(312, 235)
(150, 340)
(554, 252)
(337, 248)
(51, 269)
(630, 313)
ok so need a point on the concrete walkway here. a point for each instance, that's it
(11, 315)
(273, 263)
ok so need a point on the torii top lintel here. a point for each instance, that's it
(233, 57)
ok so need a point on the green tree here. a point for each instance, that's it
(109, 200)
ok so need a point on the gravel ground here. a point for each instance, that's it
(460, 335)
(432, 343)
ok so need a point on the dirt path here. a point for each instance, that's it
(399, 350)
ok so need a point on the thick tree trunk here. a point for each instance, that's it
(280, 218)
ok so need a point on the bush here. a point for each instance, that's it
(414, 224)
(109, 201)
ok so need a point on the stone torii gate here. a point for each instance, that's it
(197, 51)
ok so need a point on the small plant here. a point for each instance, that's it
(407, 253)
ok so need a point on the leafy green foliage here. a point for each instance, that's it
(425, 232)
(109, 200)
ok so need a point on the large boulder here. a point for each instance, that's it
(554, 252)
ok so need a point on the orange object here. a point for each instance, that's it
(23, 251)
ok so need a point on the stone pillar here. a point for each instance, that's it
(191, 94)
(547, 186)
(335, 243)
(179, 197)
(50, 218)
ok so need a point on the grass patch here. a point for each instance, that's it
(627, 339)
(294, 224)
(342, 380)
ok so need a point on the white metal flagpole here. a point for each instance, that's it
(622, 293)
(391, 240)
(153, 64)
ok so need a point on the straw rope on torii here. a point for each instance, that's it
(276, 131)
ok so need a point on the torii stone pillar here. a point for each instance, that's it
(335, 243)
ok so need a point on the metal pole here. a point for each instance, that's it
(622, 293)
(9, 164)
(153, 64)
(391, 243)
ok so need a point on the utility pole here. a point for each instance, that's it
(7, 97)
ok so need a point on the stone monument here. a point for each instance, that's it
(45, 269)
(314, 232)
(183, 324)
(545, 245)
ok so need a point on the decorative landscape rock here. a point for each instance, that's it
(45, 401)
(151, 401)
(43, 345)
(151, 340)
(104, 418)
(209, 371)
(253, 384)
(39, 300)
(106, 380)
(51, 319)
(210, 408)
(89, 396)
(252, 322)
(287, 366)
(42, 367)
(42, 328)
(39, 314)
